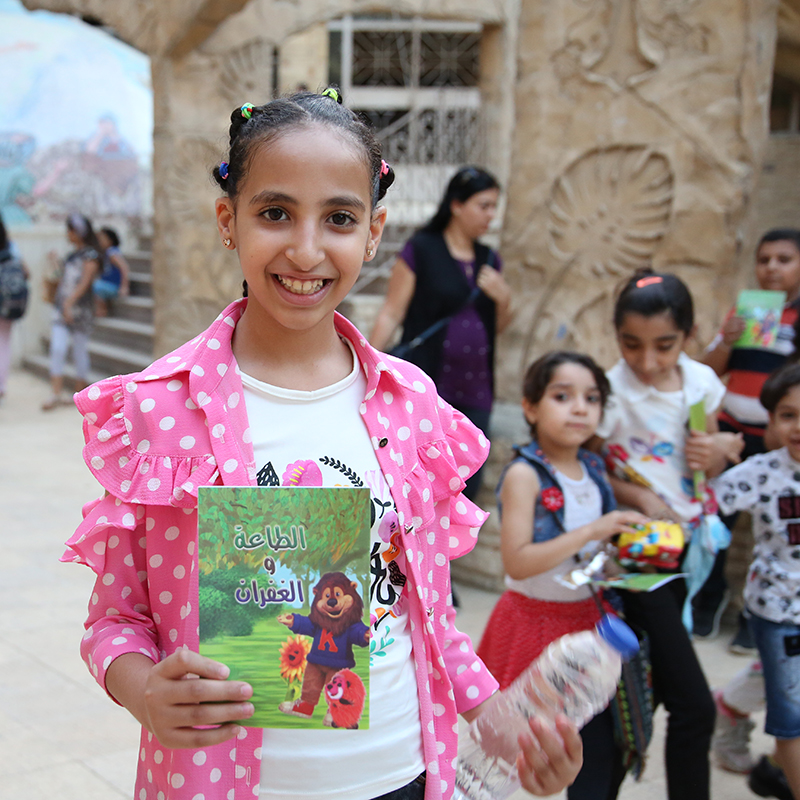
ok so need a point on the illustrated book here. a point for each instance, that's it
(761, 310)
(284, 599)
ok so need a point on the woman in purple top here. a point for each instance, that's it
(433, 278)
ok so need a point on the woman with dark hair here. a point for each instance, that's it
(73, 309)
(443, 272)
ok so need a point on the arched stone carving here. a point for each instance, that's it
(246, 72)
(608, 212)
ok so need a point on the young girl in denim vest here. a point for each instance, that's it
(282, 389)
(554, 503)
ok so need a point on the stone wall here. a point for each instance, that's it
(640, 132)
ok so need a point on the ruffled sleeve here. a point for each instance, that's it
(111, 541)
(438, 479)
(123, 417)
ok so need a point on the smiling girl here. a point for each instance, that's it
(280, 389)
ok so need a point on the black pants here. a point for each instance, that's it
(479, 417)
(411, 791)
(678, 683)
(602, 772)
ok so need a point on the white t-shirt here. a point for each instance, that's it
(319, 439)
(768, 485)
(583, 504)
(645, 429)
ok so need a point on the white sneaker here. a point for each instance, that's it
(731, 741)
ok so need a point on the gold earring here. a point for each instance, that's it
(369, 252)
(226, 242)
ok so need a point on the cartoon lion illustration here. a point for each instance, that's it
(345, 694)
(335, 625)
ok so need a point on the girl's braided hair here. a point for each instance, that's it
(255, 126)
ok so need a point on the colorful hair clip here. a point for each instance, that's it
(247, 110)
(648, 281)
(223, 170)
(384, 168)
(333, 94)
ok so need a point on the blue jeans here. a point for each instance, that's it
(779, 647)
(411, 791)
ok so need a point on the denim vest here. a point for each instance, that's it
(548, 524)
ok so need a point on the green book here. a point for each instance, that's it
(284, 596)
(698, 422)
(640, 581)
(761, 311)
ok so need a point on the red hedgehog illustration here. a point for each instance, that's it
(345, 695)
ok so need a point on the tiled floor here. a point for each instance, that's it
(61, 738)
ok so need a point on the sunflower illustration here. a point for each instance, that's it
(293, 654)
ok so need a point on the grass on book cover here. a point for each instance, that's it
(284, 591)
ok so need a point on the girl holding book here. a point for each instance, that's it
(275, 386)
(651, 456)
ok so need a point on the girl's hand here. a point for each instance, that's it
(699, 450)
(187, 690)
(67, 313)
(493, 285)
(549, 760)
(729, 445)
(616, 522)
(732, 330)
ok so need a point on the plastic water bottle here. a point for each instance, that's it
(575, 675)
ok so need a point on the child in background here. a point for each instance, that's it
(280, 379)
(646, 438)
(768, 484)
(777, 268)
(114, 280)
(554, 503)
(742, 696)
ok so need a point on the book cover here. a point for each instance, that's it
(761, 311)
(698, 422)
(283, 594)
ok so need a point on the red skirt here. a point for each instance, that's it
(521, 627)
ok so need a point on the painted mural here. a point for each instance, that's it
(76, 120)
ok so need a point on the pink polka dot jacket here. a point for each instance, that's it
(154, 437)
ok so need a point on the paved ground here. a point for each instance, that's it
(61, 738)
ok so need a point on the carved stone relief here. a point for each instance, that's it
(608, 212)
(639, 129)
(246, 72)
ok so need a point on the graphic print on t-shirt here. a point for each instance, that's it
(789, 508)
(387, 560)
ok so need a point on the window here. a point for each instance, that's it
(784, 112)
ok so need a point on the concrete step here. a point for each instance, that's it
(39, 364)
(141, 284)
(138, 308)
(138, 260)
(106, 359)
(125, 333)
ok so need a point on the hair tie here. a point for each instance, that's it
(384, 168)
(247, 110)
(223, 170)
(333, 94)
(648, 281)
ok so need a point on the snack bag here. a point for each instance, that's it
(658, 543)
